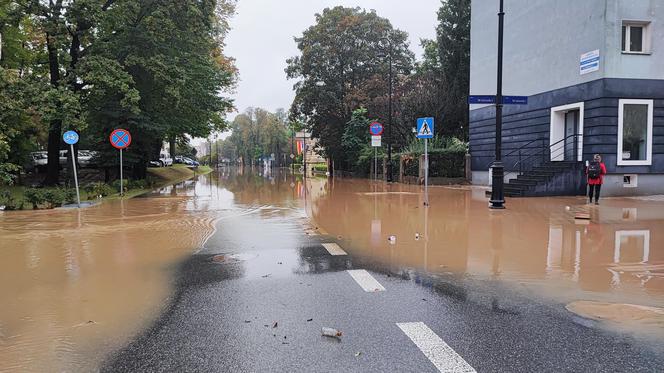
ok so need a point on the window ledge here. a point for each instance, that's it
(638, 53)
(633, 163)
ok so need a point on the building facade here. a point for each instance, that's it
(594, 74)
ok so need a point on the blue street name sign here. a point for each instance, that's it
(425, 128)
(491, 100)
(70, 137)
(482, 99)
(515, 100)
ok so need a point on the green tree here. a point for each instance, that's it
(259, 133)
(453, 41)
(339, 54)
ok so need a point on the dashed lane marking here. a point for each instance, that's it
(365, 280)
(334, 249)
(443, 357)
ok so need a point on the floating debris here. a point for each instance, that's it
(331, 332)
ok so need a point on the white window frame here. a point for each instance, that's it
(621, 106)
(645, 36)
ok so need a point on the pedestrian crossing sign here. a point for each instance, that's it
(425, 128)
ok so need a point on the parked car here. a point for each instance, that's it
(163, 161)
(88, 158)
(191, 162)
(39, 160)
(166, 159)
(180, 159)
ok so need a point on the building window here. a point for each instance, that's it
(635, 118)
(635, 37)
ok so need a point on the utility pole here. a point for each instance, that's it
(497, 169)
(304, 153)
(292, 143)
(389, 117)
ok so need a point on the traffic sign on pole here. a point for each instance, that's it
(376, 141)
(376, 129)
(120, 139)
(425, 128)
(71, 138)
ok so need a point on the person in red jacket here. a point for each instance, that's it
(595, 172)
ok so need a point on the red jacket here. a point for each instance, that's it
(600, 179)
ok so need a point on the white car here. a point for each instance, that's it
(165, 160)
(39, 160)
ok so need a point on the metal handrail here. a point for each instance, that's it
(543, 153)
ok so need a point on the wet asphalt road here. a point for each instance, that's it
(262, 311)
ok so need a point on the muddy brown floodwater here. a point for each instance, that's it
(536, 244)
(76, 285)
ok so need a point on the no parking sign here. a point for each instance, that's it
(120, 139)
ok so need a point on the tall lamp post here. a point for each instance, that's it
(497, 169)
(389, 110)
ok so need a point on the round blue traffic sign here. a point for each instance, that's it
(70, 137)
(120, 138)
(376, 129)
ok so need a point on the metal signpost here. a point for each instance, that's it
(376, 131)
(71, 138)
(425, 128)
(120, 139)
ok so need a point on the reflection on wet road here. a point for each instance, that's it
(239, 271)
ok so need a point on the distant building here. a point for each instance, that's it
(594, 74)
(311, 154)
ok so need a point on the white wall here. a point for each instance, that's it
(619, 65)
(543, 42)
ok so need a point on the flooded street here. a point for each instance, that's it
(616, 255)
(178, 273)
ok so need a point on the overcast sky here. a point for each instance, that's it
(261, 39)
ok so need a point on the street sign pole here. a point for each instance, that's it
(120, 139)
(426, 172)
(71, 138)
(73, 164)
(375, 164)
(121, 187)
(425, 130)
(497, 169)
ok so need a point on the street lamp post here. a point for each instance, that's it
(389, 109)
(497, 169)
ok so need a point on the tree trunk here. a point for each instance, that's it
(171, 143)
(55, 127)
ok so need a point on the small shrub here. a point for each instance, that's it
(55, 197)
(34, 196)
(116, 184)
(7, 200)
(320, 167)
(69, 195)
(99, 189)
(137, 184)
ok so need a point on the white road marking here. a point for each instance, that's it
(334, 249)
(365, 280)
(443, 357)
